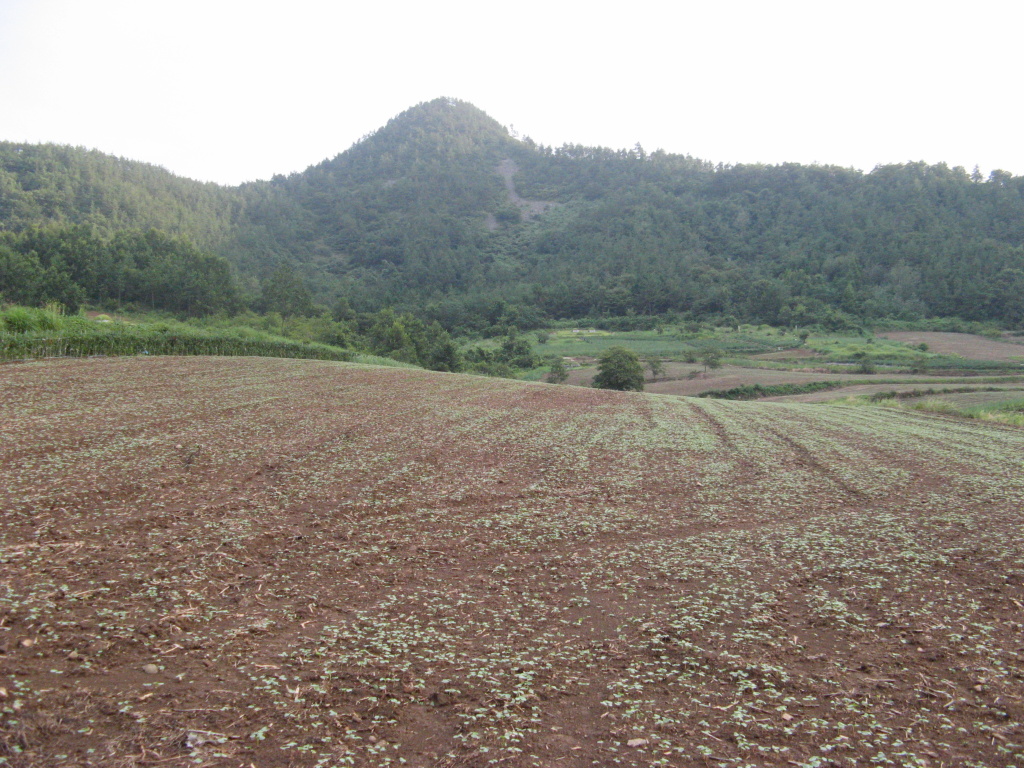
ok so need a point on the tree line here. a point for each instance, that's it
(415, 217)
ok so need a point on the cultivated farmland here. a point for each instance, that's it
(964, 344)
(235, 562)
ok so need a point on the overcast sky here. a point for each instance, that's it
(230, 91)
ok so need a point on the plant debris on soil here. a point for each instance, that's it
(256, 562)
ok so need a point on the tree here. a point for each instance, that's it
(517, 352)
(864, 362)
(619, 368)
(342, 311)
(390, 337)
(711, 358)
(285, 292)
(558, 373)
(441, 353)
(656, 367)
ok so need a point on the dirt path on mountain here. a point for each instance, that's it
(530, 208)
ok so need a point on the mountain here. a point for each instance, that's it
(71, 185)
(414, 197)
(443, 212)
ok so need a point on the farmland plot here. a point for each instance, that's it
(965, 344)
(233, 562)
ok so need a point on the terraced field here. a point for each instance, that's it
(253, 562)
(967, 345)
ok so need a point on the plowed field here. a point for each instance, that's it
(967, 345)
(251, 562)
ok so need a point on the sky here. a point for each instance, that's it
(230, 91)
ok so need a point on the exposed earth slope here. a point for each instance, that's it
(234, 562)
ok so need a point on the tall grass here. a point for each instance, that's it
(1005, 412)
(35, 333)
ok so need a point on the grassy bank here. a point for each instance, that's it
(1004, 412)
(29, 334)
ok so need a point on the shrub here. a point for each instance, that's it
(619, 368)
(19, 320)
(558, 373)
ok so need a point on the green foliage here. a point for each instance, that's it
(70, 265)
(509, 214)
(656, 367)
(485, 362)
(285, 293)
(557, 372)
(1009, 411)
(913, 394)
(400, 220)
(513, 354)
(30, 333)
(408, 339)
(517, 352)
(26, 320)
(757, 391)
(711, 357)
(67, 186)
(619, 368)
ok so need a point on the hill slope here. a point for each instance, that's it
(50, 184)
(427, 213)
(303, 563)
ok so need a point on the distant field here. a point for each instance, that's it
(289, 564)
(951, 355)
(729, 376)
(669, 344)
(676, 381)
(967, 399)
(964, 344)
(1012, 391)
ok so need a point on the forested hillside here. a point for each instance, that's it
(444, 213)
(48, 184)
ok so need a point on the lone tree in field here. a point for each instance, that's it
(619, 368)
(711, 358)
(656, 367)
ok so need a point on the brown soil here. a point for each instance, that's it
(690, 380)
(250, 562)
(871, 389)
(966, 345)
(507, 169)
(788, 354)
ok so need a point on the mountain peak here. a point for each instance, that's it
(439, 131)
(451, 114)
